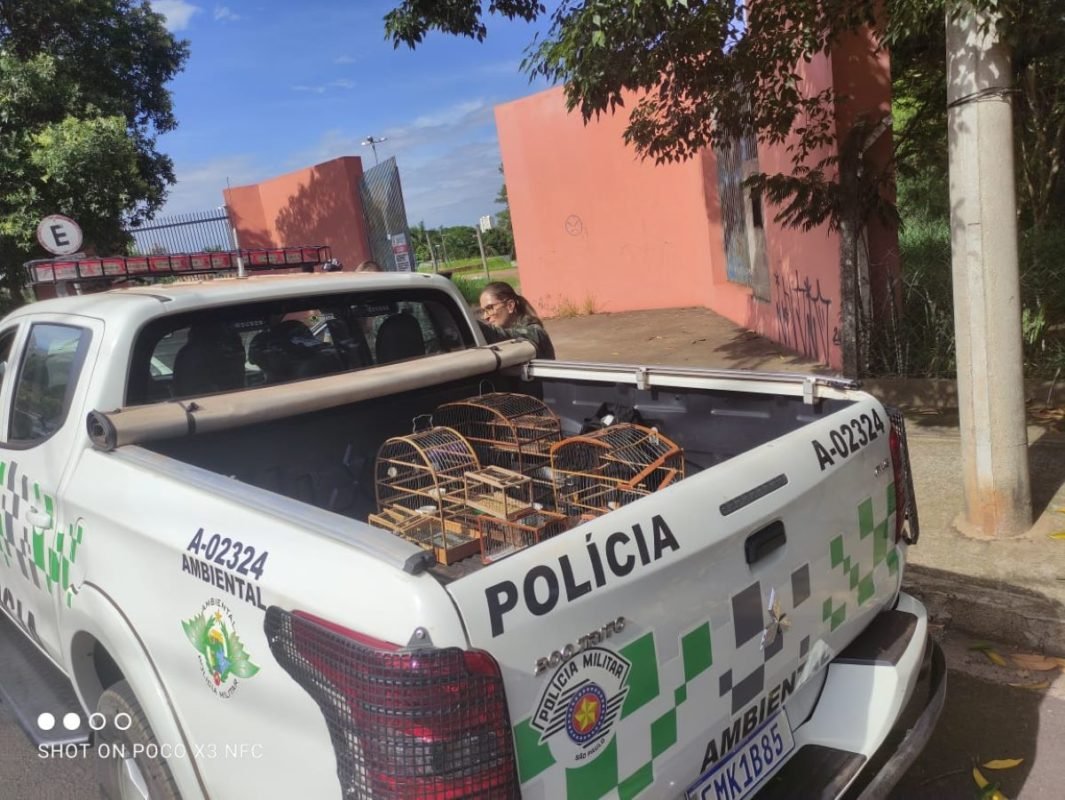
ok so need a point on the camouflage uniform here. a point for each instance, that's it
(524, 329)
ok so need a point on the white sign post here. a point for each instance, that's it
(59, 235)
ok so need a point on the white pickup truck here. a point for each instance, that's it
(197, 602)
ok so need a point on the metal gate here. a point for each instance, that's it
(191, 232)
(386, 217)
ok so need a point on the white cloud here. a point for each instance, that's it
(344, 60)
(199, 186)
(178, 13)
(449, 161)
(225, 13)
(452, 116)
(322, 88)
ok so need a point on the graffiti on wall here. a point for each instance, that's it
(804, 317)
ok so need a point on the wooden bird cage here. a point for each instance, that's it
(499, 492)
(508, 430)
(605, 469)
(420, 481)
(502, 537)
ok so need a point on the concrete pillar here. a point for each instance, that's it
(987, 302)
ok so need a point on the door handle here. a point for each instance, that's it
(39, 519)
(763, 542)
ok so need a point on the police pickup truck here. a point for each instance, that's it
(216, 584)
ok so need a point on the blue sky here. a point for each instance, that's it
(275, 85)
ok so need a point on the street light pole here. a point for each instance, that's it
(373, 142)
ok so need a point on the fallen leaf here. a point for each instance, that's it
(994, 657)
(1035, 687)
(1004, 763)
(978, 776)
(1035, 662)
(981, 646)
(1060, 535)
(1060, 510)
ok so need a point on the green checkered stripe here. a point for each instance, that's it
(862, 581)
(648, 727)
(52, 559)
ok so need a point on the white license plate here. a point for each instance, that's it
(740, 775)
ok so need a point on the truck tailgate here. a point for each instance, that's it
(641, 648)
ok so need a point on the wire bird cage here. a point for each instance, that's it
(502, 537)
(599, 471)
(420, 484)
(508, 430)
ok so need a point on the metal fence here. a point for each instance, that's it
(191, 232)
(386, 217)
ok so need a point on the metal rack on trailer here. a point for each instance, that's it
(95, 270)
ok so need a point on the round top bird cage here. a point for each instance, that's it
(420, 482)
(424, 471)
(602, 470)
(508, 430)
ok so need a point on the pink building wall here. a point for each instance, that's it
(596, 227)
(315, 205)
(593, 224)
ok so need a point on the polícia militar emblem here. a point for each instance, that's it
(581, 704)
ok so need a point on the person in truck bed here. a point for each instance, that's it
(508, 315)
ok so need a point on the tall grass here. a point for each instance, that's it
(468, 265)
(921, 342)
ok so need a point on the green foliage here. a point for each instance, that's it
(919, 342)
(83, 99)
(502, 240)
(471, 288)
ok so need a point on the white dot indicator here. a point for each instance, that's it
(71, 721)
(46, 721)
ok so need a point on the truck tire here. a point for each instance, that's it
(129, 765)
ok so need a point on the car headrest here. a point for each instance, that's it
(212, 360)
(399, 337)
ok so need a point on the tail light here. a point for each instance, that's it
(424, 724)
(905, 507)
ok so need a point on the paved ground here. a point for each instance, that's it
(986, 718)
(677, 337)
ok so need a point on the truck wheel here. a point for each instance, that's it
(129, 765)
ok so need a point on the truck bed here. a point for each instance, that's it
(326, 458)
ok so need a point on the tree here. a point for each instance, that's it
(503, 238)
(83, 99)
(919, 86)
(700, 72)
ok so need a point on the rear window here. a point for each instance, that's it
(238, 347)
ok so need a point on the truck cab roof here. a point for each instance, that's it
(119, 303)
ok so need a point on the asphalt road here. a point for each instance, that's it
(985, 718)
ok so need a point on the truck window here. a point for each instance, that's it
(47, 378)
(238, 347)
(7, 338)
